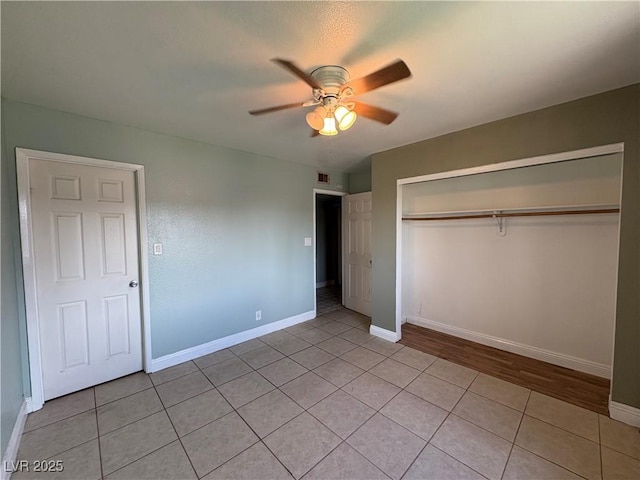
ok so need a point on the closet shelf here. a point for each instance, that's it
(516, 212)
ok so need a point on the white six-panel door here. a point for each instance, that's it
(357, 210)
(86, 262)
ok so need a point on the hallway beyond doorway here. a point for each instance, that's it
(328, 299)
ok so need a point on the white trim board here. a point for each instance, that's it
(384, 334)
(23, 156)
(11, 453)
(187, 354)
(548, 356)
(624, 413)
(525, 162)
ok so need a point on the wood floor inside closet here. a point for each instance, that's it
(581, 389)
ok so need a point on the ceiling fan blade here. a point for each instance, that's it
(314, 133)
(375, 113)
(301, 74)
(389, 74)
(276, 109)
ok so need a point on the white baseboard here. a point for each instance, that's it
(624, 413)
(32, 407)
(11, 453)
(194, 352)
(579, 364)
(384, 334)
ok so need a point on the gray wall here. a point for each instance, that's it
(11, 357)
(610, 117)
(232, 223)
(360, 180)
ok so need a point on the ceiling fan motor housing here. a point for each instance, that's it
(332, 78)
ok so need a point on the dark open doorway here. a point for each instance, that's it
(328, 253)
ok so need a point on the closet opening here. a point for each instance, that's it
(520, 256)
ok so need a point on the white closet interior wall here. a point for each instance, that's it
(546, 289)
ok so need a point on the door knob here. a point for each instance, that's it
(133, 283)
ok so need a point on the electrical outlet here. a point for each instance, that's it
(258, 315)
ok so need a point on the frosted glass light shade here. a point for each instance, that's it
(316, 118)
(329, 127)
(345, 117)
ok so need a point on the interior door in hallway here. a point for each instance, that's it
(85, 241)
(357, 211)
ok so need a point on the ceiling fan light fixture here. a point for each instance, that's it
(346, 117)
(329, 127)
(316, 118)
(333, 89)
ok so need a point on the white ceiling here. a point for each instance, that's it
(194, 69)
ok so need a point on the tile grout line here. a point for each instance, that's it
(148, 453)
(174, 427)
(164, 408)
(234, 410)
(377, 411)
(523, 412)
(552, 462)
(499, 403)
(450, 412)
(289, 421)
(401, 389)
(534, 453)
(563, 429)
(600, 449)
(260, 440)
(457, 460)
(306, 410)
(415, 459)
(95, 402)
(401, 426)
(127, 395)
(59, 421)
(504, 469)
(131, 422)
(70, 448)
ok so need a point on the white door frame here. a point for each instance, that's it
(494, 167)
(317, 191)
(29, 268)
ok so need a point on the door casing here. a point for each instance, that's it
(28, 265)
(317, 191)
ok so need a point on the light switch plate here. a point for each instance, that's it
(307, 241)
(157, 249)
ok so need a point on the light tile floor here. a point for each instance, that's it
(328, 299)
(323, 400)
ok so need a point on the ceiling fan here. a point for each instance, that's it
(334, 93)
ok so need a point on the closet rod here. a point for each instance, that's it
(519, 214)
